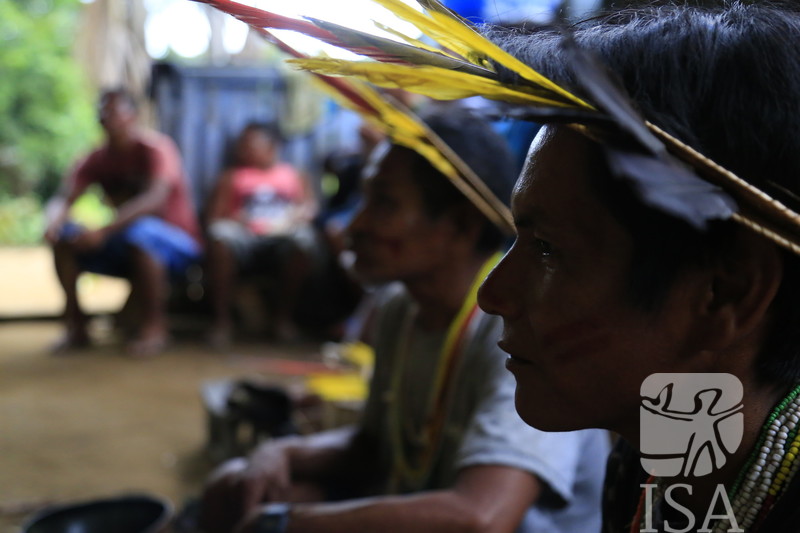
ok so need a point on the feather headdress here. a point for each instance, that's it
(667, 173)
(380, 110)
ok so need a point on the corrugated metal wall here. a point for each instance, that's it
(204, 108)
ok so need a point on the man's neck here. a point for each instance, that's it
(441, 294)
(122, 141)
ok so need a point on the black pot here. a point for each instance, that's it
(124, 514)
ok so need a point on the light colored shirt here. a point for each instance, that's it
(264, 199)
(482, 426)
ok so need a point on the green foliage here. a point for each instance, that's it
(90, 210)
(21, 220)
(48, 113)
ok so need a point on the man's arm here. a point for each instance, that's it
(163, 169)
(276, 471)
(57, 210)
(490, 499)
(149, 202)
(305, 207)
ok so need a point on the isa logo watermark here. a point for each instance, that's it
(690, 426)
(690, 423)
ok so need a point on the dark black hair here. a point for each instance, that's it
(724, 80)
(270, 129)
(483, 150)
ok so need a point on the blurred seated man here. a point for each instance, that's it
(154, 233)
(258, 217)
(439, 446)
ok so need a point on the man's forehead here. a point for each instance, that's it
(522, 194)
(556, 173)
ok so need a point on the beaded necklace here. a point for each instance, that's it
(766, 474)
(413, 468)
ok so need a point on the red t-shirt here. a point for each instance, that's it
(123, 175)
(264, 199)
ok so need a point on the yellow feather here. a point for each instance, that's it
(433, 29)
(405, 129)
(412, 41)
(481, 45)
(435, 82)
(452, 33)
(388, 118)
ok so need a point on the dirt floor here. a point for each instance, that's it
(98, 423)
(29, 288)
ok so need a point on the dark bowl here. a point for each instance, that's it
(125, 514)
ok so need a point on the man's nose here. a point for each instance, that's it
(496, 294)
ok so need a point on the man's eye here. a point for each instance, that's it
(543, 248)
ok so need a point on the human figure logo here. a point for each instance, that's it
(690, 423)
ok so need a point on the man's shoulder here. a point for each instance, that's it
(93, 162)
(96, 154)
(157, 141)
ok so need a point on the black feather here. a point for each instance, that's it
(667, 185)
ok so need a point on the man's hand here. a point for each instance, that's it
(53, 232)
(89, 240)
(55, 213)
(237, 487)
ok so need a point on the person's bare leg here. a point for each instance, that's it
(126, 319)
(221, 270)
(75, 321)
(149, 282)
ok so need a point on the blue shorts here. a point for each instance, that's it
(167, 244)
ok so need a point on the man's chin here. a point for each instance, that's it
(545, 418)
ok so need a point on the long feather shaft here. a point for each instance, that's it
(439, 83)
(402, 125)
(727, 179)
(356, 100)
(256, 17)
(793, 245)
(500, 213)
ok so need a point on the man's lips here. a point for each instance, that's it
(571, 341)
(505, 346)
(515, 363)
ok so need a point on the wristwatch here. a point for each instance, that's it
(273, 518)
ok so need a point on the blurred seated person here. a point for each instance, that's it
(258, 214)
(439, 446)
(154, 233)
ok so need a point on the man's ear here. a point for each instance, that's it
(741, 289)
